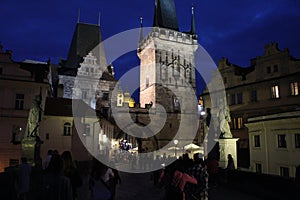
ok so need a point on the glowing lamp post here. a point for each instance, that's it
(175, 143)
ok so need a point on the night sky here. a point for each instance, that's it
(236, 29)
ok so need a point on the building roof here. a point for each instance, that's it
(86, 38)
(40, 70)
(64, 107)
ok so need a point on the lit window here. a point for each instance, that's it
(253, 96)
(297, 140)
(256, 141)
(19, 103)
(282, 141)
(17, 135)
(275, 92)
(67, 129)
(258, 168)
(237, 122)
(284, 171)
(294, 88)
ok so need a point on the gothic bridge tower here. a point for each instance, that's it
(167, 74)
(167, 59)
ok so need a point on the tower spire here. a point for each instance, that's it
(99, 18)
(193, 27)
(78, 20)
(141, 29)
(155, 21)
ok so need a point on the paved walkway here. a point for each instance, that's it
(141, 187)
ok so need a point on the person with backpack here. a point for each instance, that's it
(175, 188)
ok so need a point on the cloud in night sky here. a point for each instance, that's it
(236, 29)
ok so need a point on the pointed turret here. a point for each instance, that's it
(165, 15)
(193, 27)
(141, 29)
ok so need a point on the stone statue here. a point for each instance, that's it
(224, 119)
(34, 117)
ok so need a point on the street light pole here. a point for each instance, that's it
(175, 143)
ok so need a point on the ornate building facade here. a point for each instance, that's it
(264, 102)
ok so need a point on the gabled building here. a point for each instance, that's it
(85, 74)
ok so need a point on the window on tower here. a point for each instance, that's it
(147, 82)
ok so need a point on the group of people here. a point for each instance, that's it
(185, 179)
(62, 178)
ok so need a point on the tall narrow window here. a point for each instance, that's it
(19, 103)
(275, 92)
(239, 98)
(268, 70)
(282, 141)
(232, 99)
(294, 88)
(84, 94)
(253, 96)
(297, 140)
(147, 82)
(67, 129)
(256, 141)
(87, 130)
(275, 68)
(284, 171)
(258, 168)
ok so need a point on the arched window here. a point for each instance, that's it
(67, 129)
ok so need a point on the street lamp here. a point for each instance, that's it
(175, 143)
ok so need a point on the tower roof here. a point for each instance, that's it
(165, 15)
(86, 38)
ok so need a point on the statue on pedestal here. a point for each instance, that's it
(224, 119)
(34, 117)
(32, 142)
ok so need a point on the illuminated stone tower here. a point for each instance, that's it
(167, 60)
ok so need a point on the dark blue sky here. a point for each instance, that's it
(236, 29)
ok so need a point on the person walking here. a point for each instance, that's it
(22, 182)
(71, 171)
